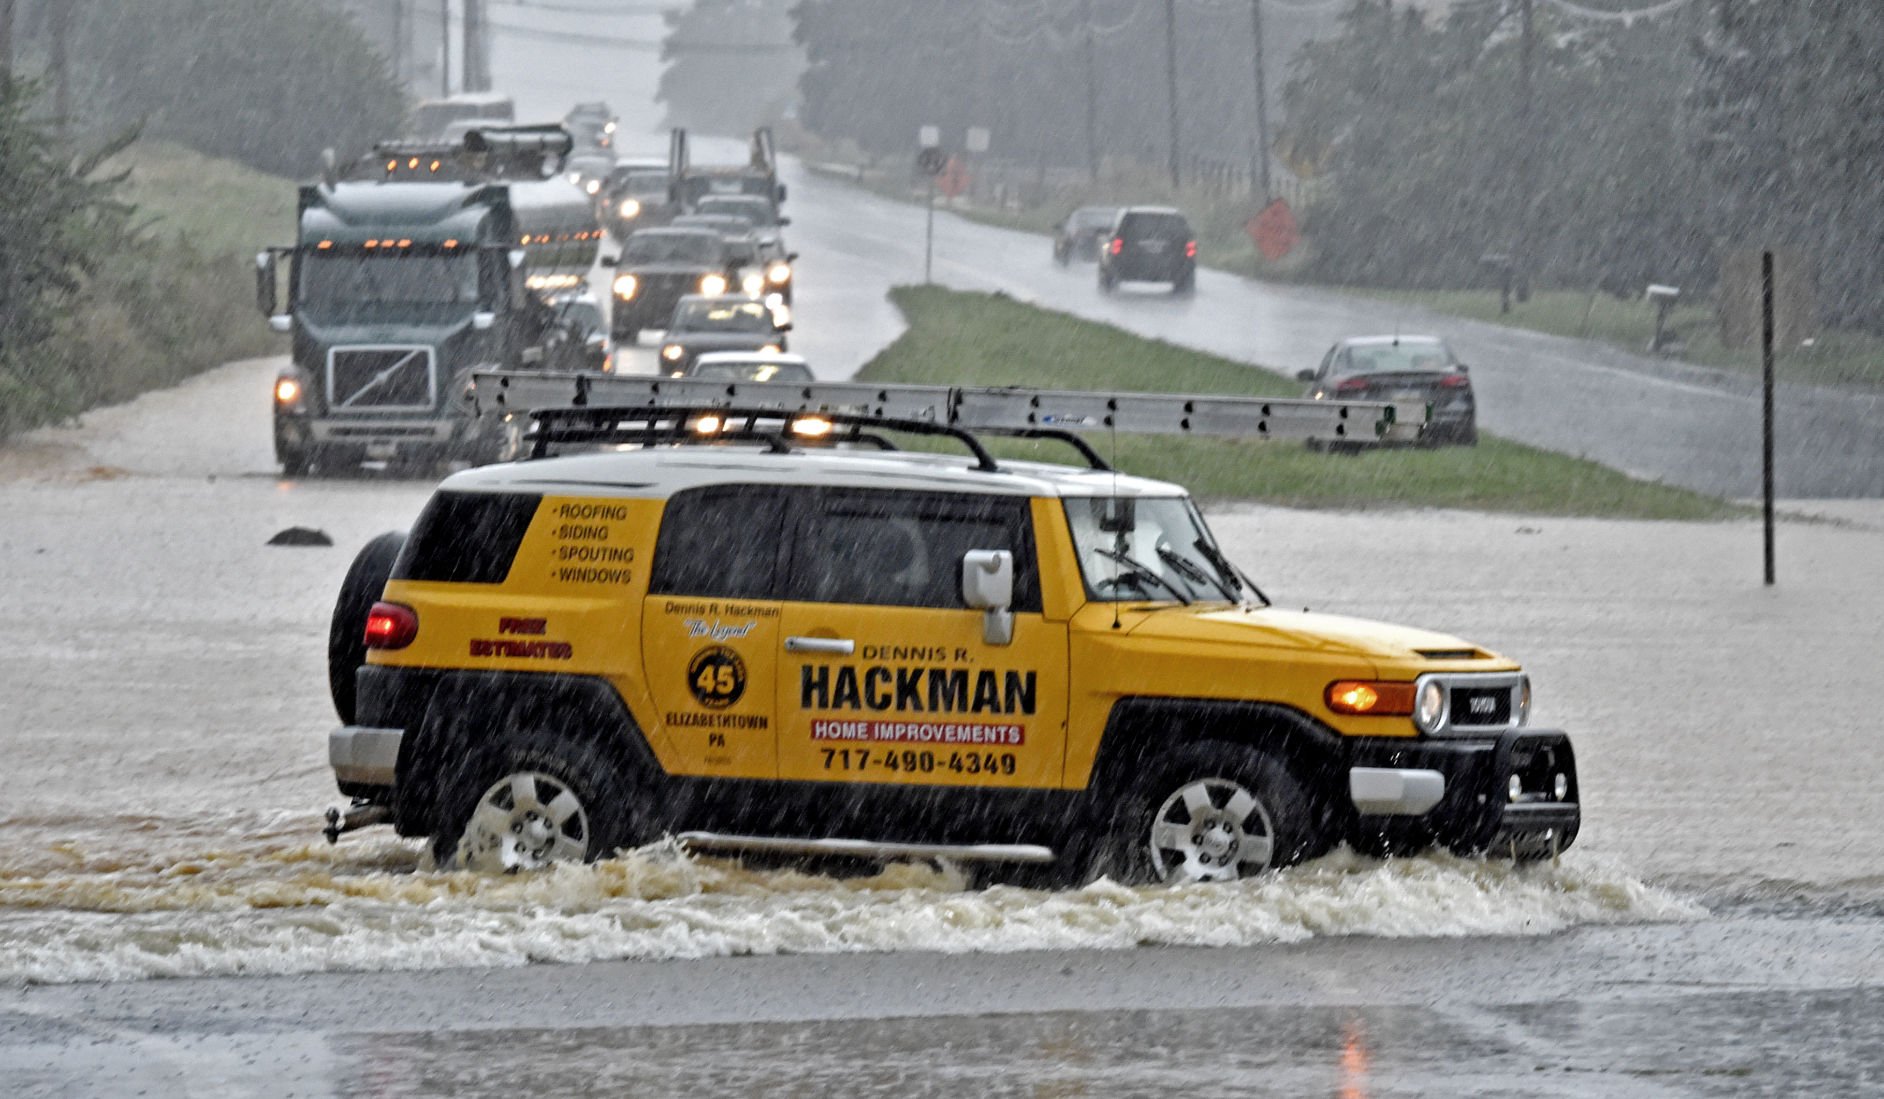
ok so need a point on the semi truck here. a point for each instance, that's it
(419, 265)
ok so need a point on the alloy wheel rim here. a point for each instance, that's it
(1211, 829)
(526, 820)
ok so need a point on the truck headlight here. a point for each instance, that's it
(779, 274)
(629, 208)
(713, 285)
(287, 392)
(626, 286)
(1429, 705)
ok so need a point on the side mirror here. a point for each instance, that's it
(1462, 368)
(265, 279)
(791, 257)
(609, 261)
(781, 193)
(784, 222)
(482, 320)
(988, 586)
(1305, 375)
(280, 322)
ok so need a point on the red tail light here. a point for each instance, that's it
(391, 626)
(1118, 245)
(1351, 385)
(1190, 249)
(1454, 381)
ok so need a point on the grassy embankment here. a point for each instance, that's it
(975, 339)
(1834, 358)
(178, 297)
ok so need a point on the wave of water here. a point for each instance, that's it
(69, 914)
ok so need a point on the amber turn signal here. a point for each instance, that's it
(1370, 698)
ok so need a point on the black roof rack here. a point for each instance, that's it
(777, 429)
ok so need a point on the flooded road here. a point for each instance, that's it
(164, 751)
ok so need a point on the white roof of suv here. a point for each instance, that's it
(659, 472)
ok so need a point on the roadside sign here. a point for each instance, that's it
(928, 137)
(931, 160)
(1274, 232)
(977, 139)
(953, 181)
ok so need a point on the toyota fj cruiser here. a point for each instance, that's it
(743, 617)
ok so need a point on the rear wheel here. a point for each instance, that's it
(346, 633)
(535, 796)
(1107, 282)
(1185, 283)
(1215, 811)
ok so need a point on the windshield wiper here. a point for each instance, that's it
(1188, 569)
(1218, 559)
(1136, 569)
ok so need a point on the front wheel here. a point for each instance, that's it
(532, 798)
(1216, 812)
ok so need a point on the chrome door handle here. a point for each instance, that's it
(839, 646)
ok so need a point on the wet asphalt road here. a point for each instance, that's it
(1690, 426)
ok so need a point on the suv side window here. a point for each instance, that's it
(724, 540)
(903, 549)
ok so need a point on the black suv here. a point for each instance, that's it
(658, 267)
(1149, 244)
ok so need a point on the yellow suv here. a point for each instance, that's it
(767, 631)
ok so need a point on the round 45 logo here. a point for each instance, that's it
(717, 677)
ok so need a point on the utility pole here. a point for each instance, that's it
(1171, 91)
(1261, 174)
(444, 47)
(1527, 178)
(6, 39)
(1092, 101)
(477, 67)
(60, 17)
(399, 47)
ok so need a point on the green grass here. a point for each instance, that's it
(218, 206)
(1834, 358)
(977, 339)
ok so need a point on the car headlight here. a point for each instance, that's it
(779, 273)
(1429, 705)
(629, 208)
(711, 285)
(594, 186)
(672, 352)
(753, 284)
(626, 286)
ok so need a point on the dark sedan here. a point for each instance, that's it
(1401, 368)
(725, 323)
(1079, 236)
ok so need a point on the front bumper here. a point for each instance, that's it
(1458, 793)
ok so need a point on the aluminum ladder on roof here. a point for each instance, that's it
(511, 392)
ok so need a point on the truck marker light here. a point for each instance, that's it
(453, 243)
(392, 165)
(373, 243)
(1369, 697)
(391, 626)
(413, 163)
(324, 245)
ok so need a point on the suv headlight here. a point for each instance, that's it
(779, 273)
(629, 208)
(1429, 705)
(625, 287)
(712, 285)
(753, 284)
(672, 352)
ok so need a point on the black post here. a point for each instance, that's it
(1527, 182)
(6, 37)
(1092, 102)
(1766, 402)
(1262, 101)
(928, 235)
(1171, 91)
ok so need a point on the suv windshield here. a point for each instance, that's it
(718, 316)
(756, 211)
(1148, 549)
(1404, 357)
(698, 248)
